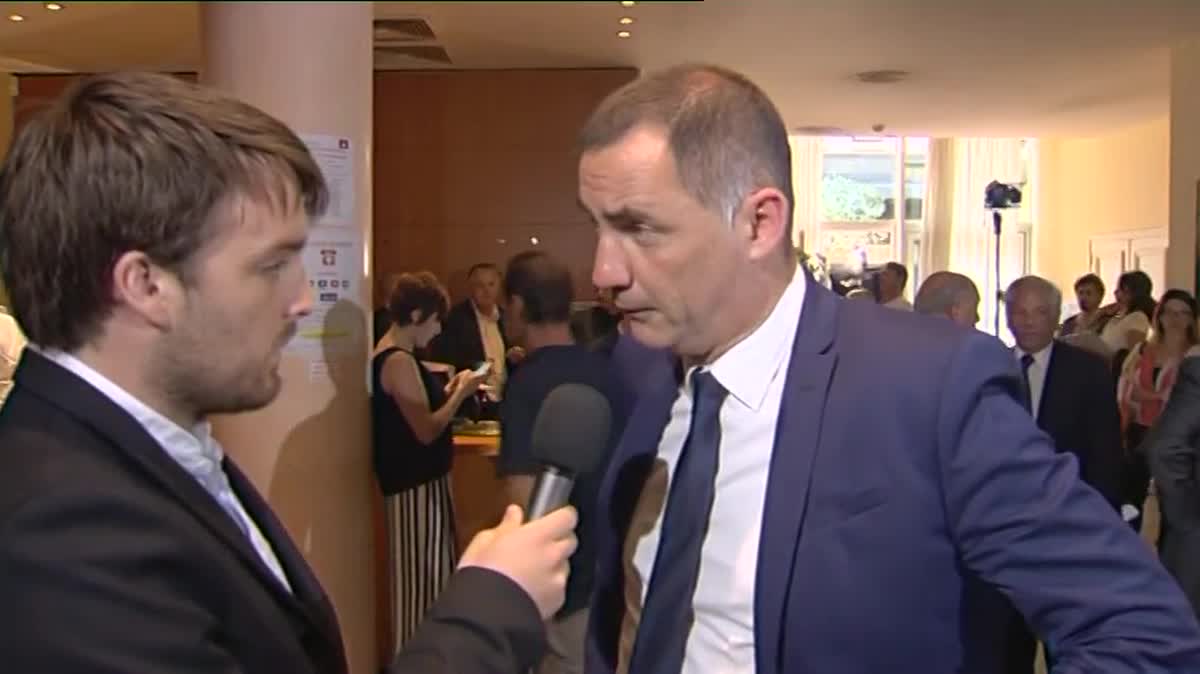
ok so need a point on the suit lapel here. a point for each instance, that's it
(305, 586)
(74, 396)
(1046, 402)
(797, 436)
(621, 493)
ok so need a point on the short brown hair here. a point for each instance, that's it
(1090, 280)
(726, 136)
(124, 162)
(543, 284)
(420, 292)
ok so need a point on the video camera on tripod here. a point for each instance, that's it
(998, 196)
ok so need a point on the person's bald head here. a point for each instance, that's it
(948, 294)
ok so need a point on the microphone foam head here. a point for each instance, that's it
(571, 429)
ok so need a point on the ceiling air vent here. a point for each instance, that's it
(402, 30)
(407, 44)
(819, 131)
(881, 76)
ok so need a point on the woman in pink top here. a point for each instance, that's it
(1147, 377)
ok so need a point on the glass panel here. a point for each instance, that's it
(916, 163)
(858, 178)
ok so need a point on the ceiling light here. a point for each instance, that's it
(623, 34)
(15, 17)
(627, 3)
(534, 240)
(53, 6)
(625, 20)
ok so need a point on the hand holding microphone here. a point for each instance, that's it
(569, 438)
(532, 555)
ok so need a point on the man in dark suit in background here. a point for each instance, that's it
(158, 283)
(1066, 387)
(1067, 391)
(473, 331)
(802, 500)
(1172, 449)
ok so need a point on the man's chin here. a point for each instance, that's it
(264, 394)
(650, 334)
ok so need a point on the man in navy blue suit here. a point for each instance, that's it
(825, 487)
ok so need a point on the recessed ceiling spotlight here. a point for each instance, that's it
(53, 6)
(15, 17)
(627, 3)
(623, 34)
(625, 20)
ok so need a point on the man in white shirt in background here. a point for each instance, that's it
(892, 280)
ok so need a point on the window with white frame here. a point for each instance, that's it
(862, 181)
(864, 178)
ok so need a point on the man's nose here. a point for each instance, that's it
(304, 305)
(610, 268)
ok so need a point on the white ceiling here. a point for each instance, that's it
(978, 67)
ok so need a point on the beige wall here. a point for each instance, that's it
(1112, 183)
(7, 105)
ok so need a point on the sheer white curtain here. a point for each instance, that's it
(807, 168)
(977, 162)
(938, 210)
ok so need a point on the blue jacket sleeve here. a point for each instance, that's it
(1026, 524)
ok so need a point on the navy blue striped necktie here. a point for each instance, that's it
(668, 612)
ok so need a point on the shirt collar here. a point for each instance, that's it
(747, 369)
(188, 448)
(1039, 358)
(493, 316)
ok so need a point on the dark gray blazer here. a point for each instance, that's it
(1173, 450)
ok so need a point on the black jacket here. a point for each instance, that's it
(113, 559)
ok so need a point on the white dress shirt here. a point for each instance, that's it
(12, 342)
(721, 640)
(493, 348)
(1037, 375)
(196, 451)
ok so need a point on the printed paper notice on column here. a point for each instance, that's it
(335, 157)
(333, 261)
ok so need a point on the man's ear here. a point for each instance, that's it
(767, 213)
(146, 289)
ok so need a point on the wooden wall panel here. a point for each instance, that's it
(470, 165)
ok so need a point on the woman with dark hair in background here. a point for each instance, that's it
(413, 448)
(1128, 321)
(1145, 383)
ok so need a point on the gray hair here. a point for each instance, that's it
(1036, 284)
(942, 291)
(726, 135)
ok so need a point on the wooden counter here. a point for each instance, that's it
(478, 494)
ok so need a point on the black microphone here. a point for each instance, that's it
(570, 436)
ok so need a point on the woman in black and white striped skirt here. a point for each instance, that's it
(413, 449)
